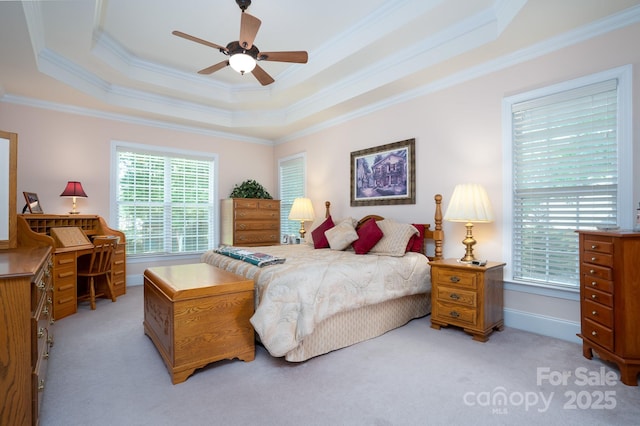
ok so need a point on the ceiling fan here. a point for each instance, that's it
(243, 54)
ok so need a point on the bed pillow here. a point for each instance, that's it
(368, 236)
(308, 237)
(319, 239)
(341, 235)
(416, 242)
(395, 238)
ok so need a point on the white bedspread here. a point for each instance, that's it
(312, 285)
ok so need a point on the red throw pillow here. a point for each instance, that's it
(368, 236)
(319, 239)
(416, 243)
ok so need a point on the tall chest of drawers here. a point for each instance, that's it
(610, 299)
(26, 335)
(250, 222)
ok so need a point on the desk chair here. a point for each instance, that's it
(97, 264)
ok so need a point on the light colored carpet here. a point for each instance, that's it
(103, 370)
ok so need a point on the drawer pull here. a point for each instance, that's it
(454, 314)
(591, 271)
(41, 285)
(454, 296)
(41, 385)
(593, 259)
(594, 313)
(40, 333)
(594, 246)
(454, 279)
(593, 283)
(594, 333)
(593, 296)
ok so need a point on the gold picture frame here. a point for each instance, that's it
(384, 175)
(33, 203)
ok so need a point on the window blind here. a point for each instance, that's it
(292, 181)
(565, 177)
(164, 202)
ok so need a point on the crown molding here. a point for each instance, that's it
(618, 21)
(479, 30)
(129, 119)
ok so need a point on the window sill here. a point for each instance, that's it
(163, 258)
(567, 293)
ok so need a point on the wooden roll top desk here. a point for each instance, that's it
(35, 230)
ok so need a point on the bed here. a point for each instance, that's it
(315, 300)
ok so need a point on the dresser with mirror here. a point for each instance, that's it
(25, 303)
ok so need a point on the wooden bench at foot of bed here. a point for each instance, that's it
(197, 314)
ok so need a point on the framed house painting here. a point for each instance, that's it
(384, 175)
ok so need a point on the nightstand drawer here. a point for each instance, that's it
(456, 277)
(456, 314)
(457, 296)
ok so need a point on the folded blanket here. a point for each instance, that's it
(255, 258)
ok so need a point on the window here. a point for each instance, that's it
(566, 171)
(292, 178)
(164, 200)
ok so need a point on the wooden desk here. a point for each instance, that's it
(35, 230)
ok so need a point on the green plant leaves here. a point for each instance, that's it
(249, 189)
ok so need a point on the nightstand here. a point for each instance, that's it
(467, 296)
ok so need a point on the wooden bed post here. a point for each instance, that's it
(327, 204)
(438, 233)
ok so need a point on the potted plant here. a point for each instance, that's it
(249, 189)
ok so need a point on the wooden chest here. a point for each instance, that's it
(197, 314)
(250, 222)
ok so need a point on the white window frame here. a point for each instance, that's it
(624, 75)
(302, 156)
(161, 150)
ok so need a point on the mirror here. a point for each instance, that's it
(8, 179)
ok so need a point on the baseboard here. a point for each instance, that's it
(541, 324)
(134, 280)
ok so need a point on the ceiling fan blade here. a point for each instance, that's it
(198, 40)
(214, 68)
(262, 76)
(249, 26)
(299, 57)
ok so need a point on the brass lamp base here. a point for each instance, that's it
(469, 242)
(302, 231)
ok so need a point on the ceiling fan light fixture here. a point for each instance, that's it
(242, 63)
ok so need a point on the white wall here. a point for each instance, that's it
(459, 139)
